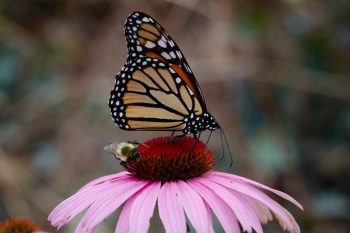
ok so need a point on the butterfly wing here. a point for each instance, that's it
(148, 38)
(150, 95)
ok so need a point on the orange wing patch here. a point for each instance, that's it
(151, 112)
(151, 125)
(184, 77)
(150, 28)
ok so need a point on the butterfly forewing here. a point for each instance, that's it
(148, 38)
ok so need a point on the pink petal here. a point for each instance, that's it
(72, 206)
(254, 218)
(108, 178)
(262, 210)
(143, 207)
(284, 217)
(224, 214)
(170, 210)
(123, 219)
(244, 216)
(210, 219)
(254, 183)
(194, 207)
(291, 225)
(108, 202)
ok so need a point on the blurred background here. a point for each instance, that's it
(275, 74)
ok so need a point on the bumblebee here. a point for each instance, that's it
(124, 151)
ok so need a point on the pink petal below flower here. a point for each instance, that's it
(225, 215)
(254, 183)
(107, 203)
(247, 218)
(143, 207)
(232, 199)
(194, 207)
(123, 220)
(254, 199)
(103, 197)
(170, 210)
(75, 204)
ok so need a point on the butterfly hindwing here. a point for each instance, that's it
(150, 95)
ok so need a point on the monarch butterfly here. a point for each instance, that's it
(156, 89)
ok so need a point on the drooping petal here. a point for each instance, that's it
(108, 203)
(170, 210)
(123, 219)
(262, 210)
(223, 212)
(285, 218)
(291, 225)
(254, 218)
(247, 220)
(72, 206)
(256, 184)
(193, 206)
(143, 207)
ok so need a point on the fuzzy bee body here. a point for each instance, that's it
(124, 151)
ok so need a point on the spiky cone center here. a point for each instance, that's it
(18, 225)
(171, 159)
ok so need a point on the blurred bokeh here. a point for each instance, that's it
(275, 74)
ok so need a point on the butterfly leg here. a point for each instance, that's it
(176, 136)
(206, 143)
(134, 142)
(197, 135)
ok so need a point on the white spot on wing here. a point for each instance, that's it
(179, 54)
(150, 44)
(189, 90)
(172, 54)
(162, 43)
(163, 39)
(165, 55)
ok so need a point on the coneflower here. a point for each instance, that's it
(176, 175)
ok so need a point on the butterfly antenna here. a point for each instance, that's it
(197, 139)
(228, 148)
(222, 145)
(208, 137)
